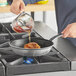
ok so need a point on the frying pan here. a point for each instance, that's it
(17, 46)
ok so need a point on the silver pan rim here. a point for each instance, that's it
(10, 43)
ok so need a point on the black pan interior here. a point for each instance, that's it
(42, 42)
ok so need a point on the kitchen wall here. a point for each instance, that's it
(50, 19)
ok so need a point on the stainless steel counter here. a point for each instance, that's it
(67, 49)
(65, 73)
(44, 30)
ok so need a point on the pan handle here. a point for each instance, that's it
(56, 36)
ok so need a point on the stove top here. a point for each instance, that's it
(18, 65)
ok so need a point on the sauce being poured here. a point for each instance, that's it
(23, 23)
(22, 29)
(29, 36)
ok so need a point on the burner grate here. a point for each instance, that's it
(51, 57)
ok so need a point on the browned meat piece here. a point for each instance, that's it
(32, 45)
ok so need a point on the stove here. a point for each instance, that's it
(12, 64)
(16, 65)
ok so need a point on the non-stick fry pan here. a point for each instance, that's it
(18, 46)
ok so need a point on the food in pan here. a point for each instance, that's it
(32, 45)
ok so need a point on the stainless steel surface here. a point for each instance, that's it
(2, 69)
(44, 30)
(31, 52)
(68, 50)
(62, 73)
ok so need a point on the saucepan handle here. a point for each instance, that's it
(56, 36)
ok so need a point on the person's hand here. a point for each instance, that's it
(69, 31)
(17, 6)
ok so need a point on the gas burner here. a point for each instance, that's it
(28, 60)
